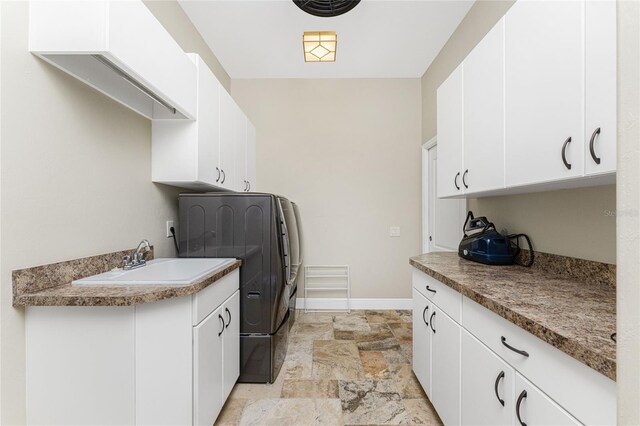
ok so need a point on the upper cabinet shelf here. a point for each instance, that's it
(120, 49)
(533, 106)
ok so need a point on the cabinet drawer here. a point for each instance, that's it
(207, 300)
(585, 393)
(447, 299)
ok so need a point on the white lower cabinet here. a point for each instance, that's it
(216, 360)
(172, 362)
(533, 407)
(207, 368)
(462, 359)
(436, 352)
(487, 385)
(445, 366)
(231, 344)
(421, 341)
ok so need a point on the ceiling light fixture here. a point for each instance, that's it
(319, 46)
(326, 8)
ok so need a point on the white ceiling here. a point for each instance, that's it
(377, 39)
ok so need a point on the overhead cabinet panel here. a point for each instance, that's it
(600, 80)
(484, 114)
(450, 135)
(544, 48)
(120, 49)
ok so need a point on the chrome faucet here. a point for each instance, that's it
(138, 256)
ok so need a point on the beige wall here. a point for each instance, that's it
(577, 223)
(75, 180)
(176, 22)
(347, 152)
(628, 278)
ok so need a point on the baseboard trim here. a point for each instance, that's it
(340, 304)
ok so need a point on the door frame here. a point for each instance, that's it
(426, 146)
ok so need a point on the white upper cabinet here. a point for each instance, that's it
(450, 135)
(185, 153)
(533, 105)
(228, 137)
(484, 114)
(544, 44)
(600, 83)
(120, 49)
(240, 145)
(251, 157)
(209, 153)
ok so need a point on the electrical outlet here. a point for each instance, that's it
(394, 231)
(169, 226)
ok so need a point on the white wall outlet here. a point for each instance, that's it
(169, 226)
(394, 231)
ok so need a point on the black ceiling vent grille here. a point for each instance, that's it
(326, 8)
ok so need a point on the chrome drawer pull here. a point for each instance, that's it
(504, 342)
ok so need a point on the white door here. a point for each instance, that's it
(208, 125)
(484, 114)
(227, 139)
(251, 156)
(231, 344)
(445, 366)
(487, 385)
(450, 136)
(535, 408)
(600, 87)
(421, 341)
(207, 368)
(544, 91)
(445, 217)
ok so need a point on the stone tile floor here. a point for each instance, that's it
(340, 369)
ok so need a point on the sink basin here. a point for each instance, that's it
(159, 272)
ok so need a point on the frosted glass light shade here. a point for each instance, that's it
(319, 46)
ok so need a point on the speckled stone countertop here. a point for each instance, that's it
(50, 285)
(577, 317)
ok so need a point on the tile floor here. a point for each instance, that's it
(341, 369)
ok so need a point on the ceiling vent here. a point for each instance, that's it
(326, 8)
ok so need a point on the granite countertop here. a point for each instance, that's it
(50, 285)
(577, 317)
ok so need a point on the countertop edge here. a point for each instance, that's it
(154, 294)
(594, 360)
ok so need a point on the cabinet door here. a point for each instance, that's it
(231, 344)
(208, 124)
(544, 91)
(535, 408)
(600, 86)
(227, 139)
(450, 127)
(422, 341)
(445, 366)
(207, 368)
(484, 114)
(251, 156)
(487, 385)
(240, 173)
